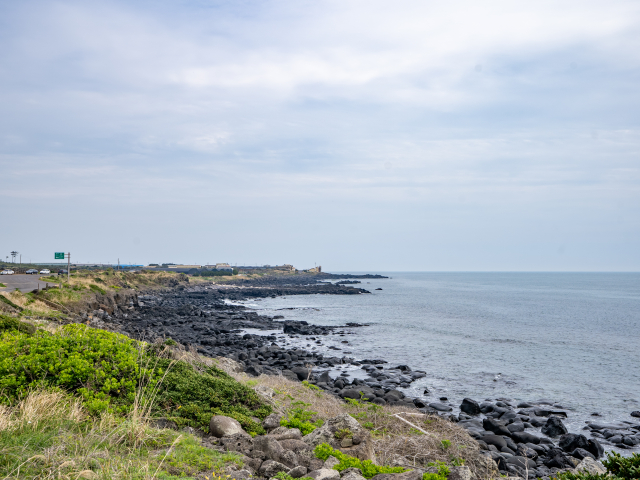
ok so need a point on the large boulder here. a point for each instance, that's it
(361, 443)
(554, 427)
(270, 447)
(353, 474)
(570, 441)
(270, 468)
(440, 407)
(324, 474)
(489, 466)
(522, 462)
(330, 462)
(493, 425)
(591, 466)
(295, 445)
(221, 426)
(556, 458)
(307, 458)
(297, 472)
(239, 442)
(459, 473)
(254, 370)
(581, 454)
(524, 437)
(470, 407)
(495, 440)
(301, 372)
(595, 448)
(271, 422)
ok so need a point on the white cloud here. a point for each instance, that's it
(290, 105)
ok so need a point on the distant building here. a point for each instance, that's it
(224, 267)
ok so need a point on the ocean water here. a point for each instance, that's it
(572, 338)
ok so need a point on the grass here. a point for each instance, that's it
(107, 370)
(77, 403)
(367, 467)
(2, 285)
(49, 435)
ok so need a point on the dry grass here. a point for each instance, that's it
(395, 441)
(20, 299)
(40, 407)
(48, 436)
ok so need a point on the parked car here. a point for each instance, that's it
(7, 272)
(46, 271)
(31, 271)
(62, 272)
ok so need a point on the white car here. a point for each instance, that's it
(7, 272)
(45, 272)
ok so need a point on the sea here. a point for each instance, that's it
(569, 338)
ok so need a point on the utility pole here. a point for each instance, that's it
(68, 268)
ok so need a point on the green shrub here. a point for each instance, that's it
(299, 417)
(10, 323)
(191, 458)
(443, 471)
(107, 370)
(97, 289)
(102, 367)
(623, 467)
(367, 467)
(191, 398)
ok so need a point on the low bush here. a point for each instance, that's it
(102, 367)
(10, 323)
(299, 417)
(367, 467)
(108, 370)
(623, 467)
(192, 397)
(443, 472)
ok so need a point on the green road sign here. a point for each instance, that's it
(59, 256)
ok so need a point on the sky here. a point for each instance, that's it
(359, 135)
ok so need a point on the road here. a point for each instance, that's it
(25, 283)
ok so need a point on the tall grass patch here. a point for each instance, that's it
(112, 373)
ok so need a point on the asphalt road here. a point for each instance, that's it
(25, 283)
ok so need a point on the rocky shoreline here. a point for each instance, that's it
(524, 439)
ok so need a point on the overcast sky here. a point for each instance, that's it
(358, 135)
